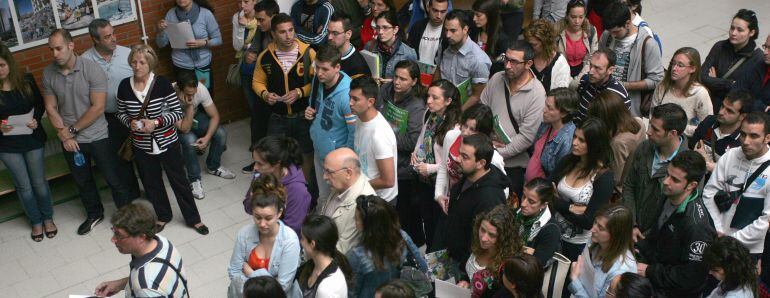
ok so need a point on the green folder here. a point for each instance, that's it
(397, 117)
(465, 90)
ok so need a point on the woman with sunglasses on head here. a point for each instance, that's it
(537, 224)
(584, 181)
(440, 129)
(327, 273)
(729, 58)
(495, 239)
(383, 247)
(265, 246)
(577, 39)
(681, 85)
(609, 254)
(389, 45)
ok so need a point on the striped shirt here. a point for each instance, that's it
(287, 58)
(151, 275)
(588, 92)
(164, 107)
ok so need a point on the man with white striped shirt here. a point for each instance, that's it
(598, 79)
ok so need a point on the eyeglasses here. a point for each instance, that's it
(116, 234)
(335, 33)
(514, 62)
(766, 47)
(331, 172)
(383, 28)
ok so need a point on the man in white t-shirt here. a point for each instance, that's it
(375, 141)
(426, 36)
(198, 130)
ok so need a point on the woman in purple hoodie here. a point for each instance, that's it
(281, 158)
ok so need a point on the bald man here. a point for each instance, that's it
(342, 171)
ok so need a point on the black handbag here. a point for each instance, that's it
(724, 200)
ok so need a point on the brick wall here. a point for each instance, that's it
(229, 100)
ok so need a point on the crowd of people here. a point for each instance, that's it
(509, 150)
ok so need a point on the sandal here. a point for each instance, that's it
(37, 237)
(201, 229)
(50, 233)
(159, 226)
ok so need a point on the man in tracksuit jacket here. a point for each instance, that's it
(672, 253)
(329, 109)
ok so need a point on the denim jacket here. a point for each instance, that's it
(284, 259)
(368, 278)
(601, 280)
(557, 148)
(403, 52)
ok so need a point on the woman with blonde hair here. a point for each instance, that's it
(550, 67)
(681, 85)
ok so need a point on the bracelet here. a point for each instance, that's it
(207, 42)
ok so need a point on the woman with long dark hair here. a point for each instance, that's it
(495, 238)
(681, 85)
(730, 263)
(729, 58)
(537, 225)
(440, 129)
(522, 276)
(632, 285)
(326, 273)
(584, 181)
(24, 154)
(372, 9)
(389, 45)
(610, 253)
(265, 246)
(549, 66)
(626, 131)
(263, 286)
(281, 158)
(197, 56)
(405, 92)
(383, 246)
(489, 37)
(577, 39)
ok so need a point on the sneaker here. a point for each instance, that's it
(222, 172)
(248, 169)
(89, 224)
(197, 190)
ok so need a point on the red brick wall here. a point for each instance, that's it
(229, 100)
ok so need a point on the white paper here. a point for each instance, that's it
(373, 61)
(450, 290)
(588, 272)
(179, 34)
(19, 123)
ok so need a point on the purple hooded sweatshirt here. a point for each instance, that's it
(297, 198)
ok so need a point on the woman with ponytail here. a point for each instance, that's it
(383, 247)
(538, 227)
(327, 273)
(281, 158)
(267, 246)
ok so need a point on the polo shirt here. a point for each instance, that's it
(155, 274)
(588, 92)
(468, 62)
(73, 95)
(116, 69)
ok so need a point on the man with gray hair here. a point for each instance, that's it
(342, 171)
(113, 59)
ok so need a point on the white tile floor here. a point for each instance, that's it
(72, 264)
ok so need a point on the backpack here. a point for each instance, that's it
(654, 35)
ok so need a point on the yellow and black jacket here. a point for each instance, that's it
(269, 77)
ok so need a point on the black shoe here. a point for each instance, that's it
(202, 229)
(248, 169)
(89, 224)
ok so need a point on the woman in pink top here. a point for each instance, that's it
(577, 39)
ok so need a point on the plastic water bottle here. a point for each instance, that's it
(421, 155)
(80, 160)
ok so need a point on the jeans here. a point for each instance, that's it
(28, 173)
(118, 134)
(216, 147)
(105, 159)
(295, 126)
(259, 111)
(152, 168)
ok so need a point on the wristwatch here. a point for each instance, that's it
(73, 130)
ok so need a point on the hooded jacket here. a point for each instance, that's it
(297, 198)
(334, 124)
(641, 190)
(730, 175)
(464, 205)
(675, 252)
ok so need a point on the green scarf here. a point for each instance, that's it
(527, 223)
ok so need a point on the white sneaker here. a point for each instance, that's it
(197, 190)
(222, 172)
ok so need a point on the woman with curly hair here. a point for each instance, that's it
(730, 263)
(265, 246)
(550, 67)
(495, 238)
(383, 246)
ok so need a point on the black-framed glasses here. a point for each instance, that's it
(514, 62)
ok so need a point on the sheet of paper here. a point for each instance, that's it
(179, 34)
(587, 273)
(19, 123)
(373, 61)
(450, 290)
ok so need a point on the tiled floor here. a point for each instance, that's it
(72, 264)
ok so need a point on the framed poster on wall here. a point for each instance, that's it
(28, 23)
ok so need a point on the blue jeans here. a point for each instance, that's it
(216, 147)
(28, 173)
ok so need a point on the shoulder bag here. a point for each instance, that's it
(724, 200)
(126, 151)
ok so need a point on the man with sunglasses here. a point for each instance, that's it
(156, 265)
(598, 79)
(342, 171)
